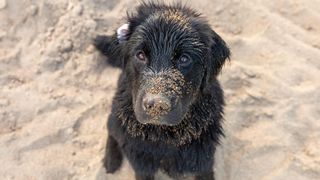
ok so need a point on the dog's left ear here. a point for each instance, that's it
(219, 52)
(217, 55)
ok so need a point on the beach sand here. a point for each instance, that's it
(56, 89)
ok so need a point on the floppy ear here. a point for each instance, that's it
(218, 53)
(110, 47)
(113, 46)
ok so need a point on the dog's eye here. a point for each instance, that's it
(184, 61)
(141, 55)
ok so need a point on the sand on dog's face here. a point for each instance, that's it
(164, 38)
(169, 83)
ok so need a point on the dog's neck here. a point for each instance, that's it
(204, 116)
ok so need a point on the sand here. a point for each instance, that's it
(56, 90)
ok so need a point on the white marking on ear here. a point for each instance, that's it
(122, 33)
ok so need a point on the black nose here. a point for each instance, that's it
(156, 105)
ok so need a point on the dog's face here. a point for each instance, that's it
(168, 57)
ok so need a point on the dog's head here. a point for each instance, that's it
(171, 55)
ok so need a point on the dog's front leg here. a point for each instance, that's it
(205, 176)
(113, 156)
(144, 177)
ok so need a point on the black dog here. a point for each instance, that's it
(168, 108)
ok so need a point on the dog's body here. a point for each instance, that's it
(168, 108)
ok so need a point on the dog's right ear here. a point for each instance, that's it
(112, 46)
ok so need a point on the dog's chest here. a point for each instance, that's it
(186, 159)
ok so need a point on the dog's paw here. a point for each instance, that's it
(113, 159)
(112, 166)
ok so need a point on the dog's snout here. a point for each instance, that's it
(148, 103)
(156, 105)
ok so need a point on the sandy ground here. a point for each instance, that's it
(56, 90)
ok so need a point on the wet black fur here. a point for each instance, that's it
(185, 149)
